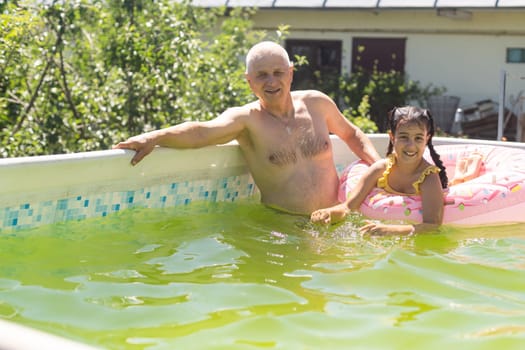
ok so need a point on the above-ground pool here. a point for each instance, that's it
(177, 253)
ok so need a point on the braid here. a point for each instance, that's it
(437, 161)
(392, 124)
(435, 156)
(390, 148)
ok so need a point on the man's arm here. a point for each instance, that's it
(194, 134)
(354, 137)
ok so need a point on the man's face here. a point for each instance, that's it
(270, 76)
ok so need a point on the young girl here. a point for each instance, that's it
(404, 171)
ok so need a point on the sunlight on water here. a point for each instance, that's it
(241, 276)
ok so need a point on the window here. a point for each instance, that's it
(324, 64)
(516, 55)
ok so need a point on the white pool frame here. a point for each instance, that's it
(42, 190)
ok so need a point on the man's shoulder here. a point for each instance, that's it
(310, 96)
(244, 110)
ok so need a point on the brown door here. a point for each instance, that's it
(385, 54)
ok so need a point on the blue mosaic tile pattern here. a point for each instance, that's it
(340, 168)
(28, 215)
(81, 206)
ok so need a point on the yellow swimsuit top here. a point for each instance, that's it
(382, 182)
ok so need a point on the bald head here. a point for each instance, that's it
(266, 49)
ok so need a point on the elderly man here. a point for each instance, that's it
(283, 135)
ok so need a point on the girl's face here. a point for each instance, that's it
(410, 141)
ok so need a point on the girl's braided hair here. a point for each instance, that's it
(422, 117)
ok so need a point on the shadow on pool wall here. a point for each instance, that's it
(42, 190)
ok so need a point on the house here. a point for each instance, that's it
(469, 47)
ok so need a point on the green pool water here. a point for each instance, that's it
(242, 276)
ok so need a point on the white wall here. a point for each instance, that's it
(468, 65)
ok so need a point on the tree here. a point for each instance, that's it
(82, 75)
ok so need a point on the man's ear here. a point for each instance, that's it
(391, 136)
(248, 80)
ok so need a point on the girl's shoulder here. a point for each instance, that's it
(429, 176)
(428, 168)
(379, 168)
(381, 164)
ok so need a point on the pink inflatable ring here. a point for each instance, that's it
(493, 193)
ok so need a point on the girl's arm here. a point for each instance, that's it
(366, 183)
(432, 200)
(432, 205)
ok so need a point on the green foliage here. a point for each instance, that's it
(17, 28)
(82, 75)
(360, 116)
(384, 90)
